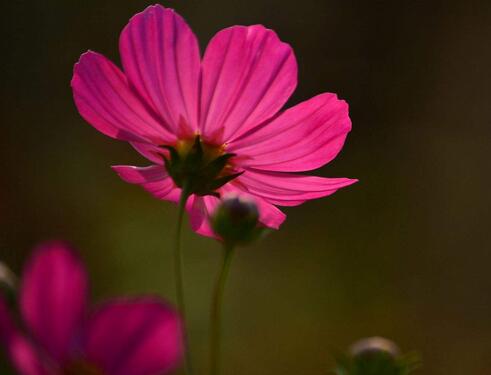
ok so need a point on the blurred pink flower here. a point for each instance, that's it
(167, 95)
(124, 337)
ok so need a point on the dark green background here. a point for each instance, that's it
(405, 253)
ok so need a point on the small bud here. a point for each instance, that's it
(235, 220)
(8, 283)
(373, 345)
(376, 356)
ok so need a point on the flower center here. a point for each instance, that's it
(199, 168)
(81, 367)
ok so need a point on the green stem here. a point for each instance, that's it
(216, 312)
(179, 279)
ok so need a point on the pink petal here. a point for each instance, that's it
(269, 215)
(287, 189)
(20, 351)
(173, 195)
(149, 151)
(53, 297)
(138, 337)
(160, 56)
(200, 212)
(247, 76)
(7, 326)
(153, 179)
(197, 212)
(25, 358)
(302, 138)
(104, 100)
(141, 175)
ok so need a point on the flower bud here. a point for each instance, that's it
(8, 283)
(235, 220)
(374, 345)
(376, 356)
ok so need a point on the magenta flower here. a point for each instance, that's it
(212, 125)
(124, 337)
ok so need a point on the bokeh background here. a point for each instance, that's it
(405, 253)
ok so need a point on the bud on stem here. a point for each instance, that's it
(236, 220)
(376, 356)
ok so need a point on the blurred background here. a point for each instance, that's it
(405, 253)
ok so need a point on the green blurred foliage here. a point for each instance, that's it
(404, 253)
(378, 364)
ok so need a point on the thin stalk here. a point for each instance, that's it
(179, 280)
(216, 312)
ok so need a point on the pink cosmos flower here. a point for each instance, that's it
(212, 125)
(124, 337)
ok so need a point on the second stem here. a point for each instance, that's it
(216, 312)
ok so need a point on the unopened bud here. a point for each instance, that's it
(235, 219)
(374, 345)
(8, 283)
(376, 356)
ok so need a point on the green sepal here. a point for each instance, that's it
(193, 169)
(174, 155)
(216, 166)
(219, 182)
(195, 155)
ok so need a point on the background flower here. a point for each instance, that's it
(123, 337)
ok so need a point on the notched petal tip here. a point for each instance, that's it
(249, 65)
(77, 66)
(151, 9)
(83, 57)
(105, 100)
(161, 61)
(258, 27)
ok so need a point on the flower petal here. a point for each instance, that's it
(302, 138)
(7, 326)
(53, 297)
(25, 358)
(136, 337)
(287, 189)
(160, 56)
(247, 76)
(200, 212)
(104, 100)
(149, 151)
(20, 351)
(141, 175)
(153, 179)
